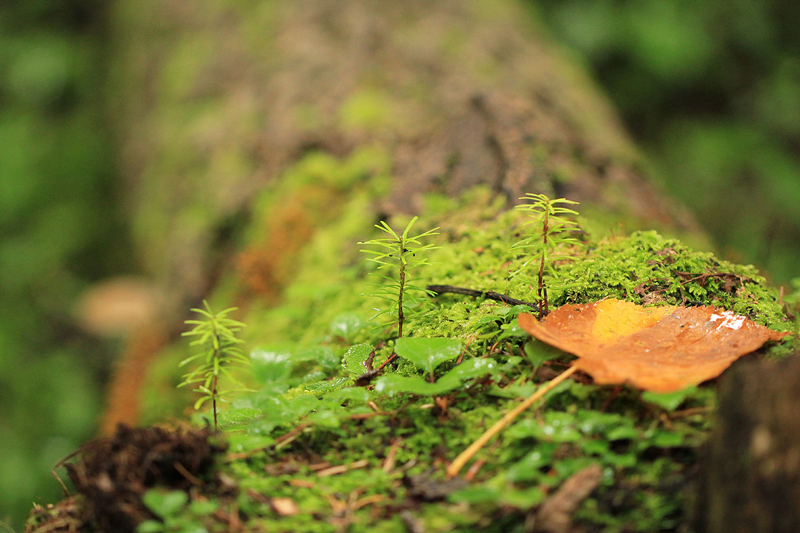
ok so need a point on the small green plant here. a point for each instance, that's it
(427, 353)
(175, 513)
(400, 254)
(552, 227)
(216, 334)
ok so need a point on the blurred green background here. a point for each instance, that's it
(710, 89)
(59, 231)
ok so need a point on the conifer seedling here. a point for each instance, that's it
(552, 228)
(216, 335)
(397, 256)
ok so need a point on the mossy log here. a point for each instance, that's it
(255, 136)
(216, 103)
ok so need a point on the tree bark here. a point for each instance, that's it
(214, 103)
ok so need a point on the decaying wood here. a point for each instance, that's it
(751, 469)
(555, 514)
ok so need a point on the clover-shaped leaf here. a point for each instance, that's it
(428, 352)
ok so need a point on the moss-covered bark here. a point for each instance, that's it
(261, 141)
(220, 104)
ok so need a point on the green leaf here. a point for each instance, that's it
(513, 331)
(480, 494)
(528, 469)
(323, 356)
(199, 403)
(355, 394)
(325, 419)
(192, 527)
(393, 384)
(271, 366)
(523, 499)
(597, 423)
(538, 352)
(667, 439)
(238, 417)
(470, 369)
(557, 427)
(165, 504)
(668, 400)
(622, 433)
(327, 385)
(596, 447)
(346, 326)
(203, 507)
(428, 353)
(454, 379)
(150, 526)
(355, 358)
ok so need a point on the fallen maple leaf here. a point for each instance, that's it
(660, 349)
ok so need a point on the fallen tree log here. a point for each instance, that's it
(256, 136)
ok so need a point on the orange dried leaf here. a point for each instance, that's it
(660, 349)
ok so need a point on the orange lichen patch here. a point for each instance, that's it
(659, 349)
(266, 268)
(123, 402)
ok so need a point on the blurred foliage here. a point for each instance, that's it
(58, 233)
(712, 90)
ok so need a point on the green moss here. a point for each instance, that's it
(647, 268)
(184, 64)
(367, 109)
(306, 416)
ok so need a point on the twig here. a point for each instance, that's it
(490, 295)
(389, 461)
(411, 522)
(58, 465)
(555, 513)
(456, 466)
(474, 469)
(185, 473)
(366, 378)
(60, 482)
(340, 469)
(371, 356)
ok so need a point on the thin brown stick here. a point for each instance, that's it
(188, 475)
(542, 287)
(60, 482)
(456, 466)
(214, 400)
(400, 314)
(489, 295)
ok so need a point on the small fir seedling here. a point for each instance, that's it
(397, 256)
(552, 226)
(216, 335)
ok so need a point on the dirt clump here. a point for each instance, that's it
(113, 473)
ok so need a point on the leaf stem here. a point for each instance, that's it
(545, 234)
(456, 466)
(400, 314)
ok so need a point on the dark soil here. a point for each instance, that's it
(113, 473)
